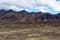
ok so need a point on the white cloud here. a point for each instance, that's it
(42, 9)
(51, 3)
(15, 8)
(40, 5)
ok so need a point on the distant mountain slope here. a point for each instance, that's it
(27, 17)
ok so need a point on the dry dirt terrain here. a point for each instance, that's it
(30, 31)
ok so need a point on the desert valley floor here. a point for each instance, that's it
(30, 31)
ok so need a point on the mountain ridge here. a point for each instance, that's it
(27, 17)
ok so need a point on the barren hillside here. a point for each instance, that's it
(29, 26)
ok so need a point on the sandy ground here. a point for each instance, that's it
(34, 32)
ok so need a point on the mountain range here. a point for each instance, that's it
(23, 16)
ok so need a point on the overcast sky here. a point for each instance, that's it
(51, 6)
